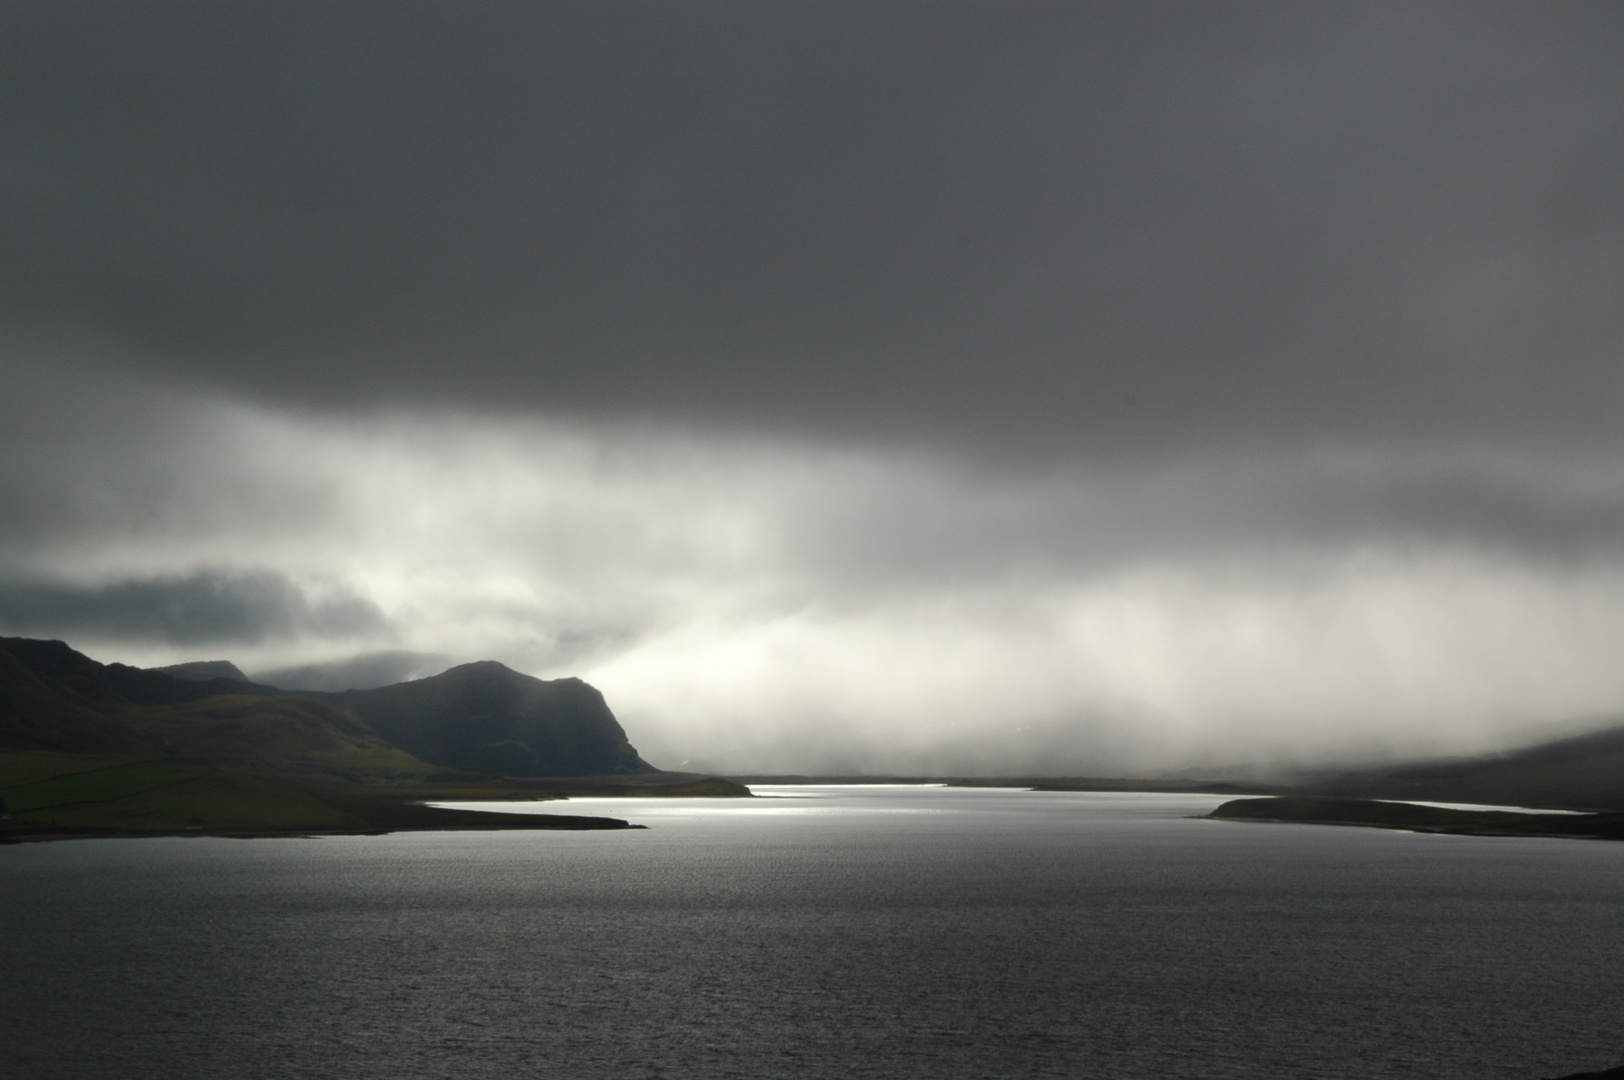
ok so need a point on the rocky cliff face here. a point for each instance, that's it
(485, 717)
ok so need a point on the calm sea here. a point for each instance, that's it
(825, 932)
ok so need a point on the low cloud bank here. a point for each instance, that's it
(227, 608)
(750, 605)
(1358, 657)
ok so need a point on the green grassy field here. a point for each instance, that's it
(284, 734)
(62, 794)
(27, 766)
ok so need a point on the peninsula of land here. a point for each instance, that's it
(91, 749)
(1412, 817)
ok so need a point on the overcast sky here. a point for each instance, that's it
(915, 387)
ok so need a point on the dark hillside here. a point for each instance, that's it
(479, 717)
(77, 676)
(204, 670)
(1584, 772)
(485, 717)
(34, 715)
(68, 796)
(1409, 816)
(54, 698)
(1581, 772)
(290, 734)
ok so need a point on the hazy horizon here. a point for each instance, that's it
(838, 387)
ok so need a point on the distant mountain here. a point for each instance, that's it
(1582, 772)
(37, 713)
(115, 685)
(204, 671)
(365, 672)
(106, 749)
(55, 698)
(485, 717)
(479, 717)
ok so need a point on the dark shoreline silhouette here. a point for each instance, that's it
(91, 749)
(1377, 814)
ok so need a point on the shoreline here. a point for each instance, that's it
(1418, 818)
(546, 823)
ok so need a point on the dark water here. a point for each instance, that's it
(858, 932)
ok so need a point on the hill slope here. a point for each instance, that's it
(1581, 772)
(53, 698)
(115, 686)
(485, 717)
(204, 670)
(54, 795)
(1584, 772)
(90, 748)
(37, 715)
(283, 733)
(479, 717)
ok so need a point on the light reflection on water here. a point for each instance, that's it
(891, 932)
(866, 800)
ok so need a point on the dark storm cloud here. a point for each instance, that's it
(197, 609)
(91, 453)
(1124, 228)
(1193, 380)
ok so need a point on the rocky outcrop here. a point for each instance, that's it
(485, 717)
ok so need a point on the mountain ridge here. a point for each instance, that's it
(206, 670)
(481, 717)
(366, 671)
(92, 749)
(486, 717)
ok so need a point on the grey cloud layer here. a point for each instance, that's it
(94, 464)
(231, 608)
(924, 387)
(1129, 229)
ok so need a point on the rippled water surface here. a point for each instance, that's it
(827, 932)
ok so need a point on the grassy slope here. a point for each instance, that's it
(1585, 772)
(27, 766)
(287, 734)
(52, 794)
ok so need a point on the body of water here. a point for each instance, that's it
(823, 932)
